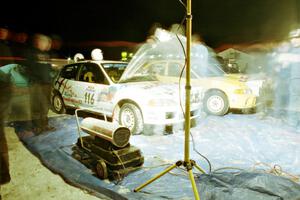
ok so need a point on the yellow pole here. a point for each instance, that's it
(187, 98)
(188, 84)
(187, 162)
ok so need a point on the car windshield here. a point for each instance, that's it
(211, 69)
(114, 70)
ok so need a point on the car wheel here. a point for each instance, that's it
(58, 104)
(216, 103)
(131, 117)
(101, 169)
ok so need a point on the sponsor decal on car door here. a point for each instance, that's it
(68, 92)
(92, 88)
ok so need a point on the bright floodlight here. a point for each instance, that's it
(97, 54)
(294, 33)
(162, 35)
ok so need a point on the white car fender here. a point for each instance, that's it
(132, 95)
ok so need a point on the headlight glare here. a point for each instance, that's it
(243, 91)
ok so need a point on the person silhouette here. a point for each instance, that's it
(39, 71)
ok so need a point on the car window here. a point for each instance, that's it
(210, 68)
(174, 69)
(152, 68)
(69, 72)
(91, 72)
(114, 70)
(146, 72)
(157, 68)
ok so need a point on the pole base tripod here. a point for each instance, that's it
(187, 163)
(189, 167)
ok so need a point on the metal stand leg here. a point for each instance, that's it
(195, 190)
(188, 165)
(198, 167)
(158, 176)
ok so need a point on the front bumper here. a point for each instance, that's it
(242, 101)
(167, 117)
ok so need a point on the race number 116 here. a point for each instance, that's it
(89, 98)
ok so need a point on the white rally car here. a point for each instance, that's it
(133, 102)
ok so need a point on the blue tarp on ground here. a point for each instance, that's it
(235, 141)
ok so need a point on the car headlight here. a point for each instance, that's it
(161, 102)
(243, 91)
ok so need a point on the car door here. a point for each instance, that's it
(91, 88)
(66, 83)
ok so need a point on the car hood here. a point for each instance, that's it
(159, 90)
(239, 77)
(234, 80)
(152, 87)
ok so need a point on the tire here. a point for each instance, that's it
(101, 169)
(58, 104)
(131, 117)
(215, 103)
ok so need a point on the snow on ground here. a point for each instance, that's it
(232, 140)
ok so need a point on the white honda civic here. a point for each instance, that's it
(134, 102)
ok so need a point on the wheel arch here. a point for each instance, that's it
(121, 102)
(217, 90)
(54, 93)
(138, 119)
(212, 90)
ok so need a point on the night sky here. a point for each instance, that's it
(217, 21)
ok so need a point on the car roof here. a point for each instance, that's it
(100, 62)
